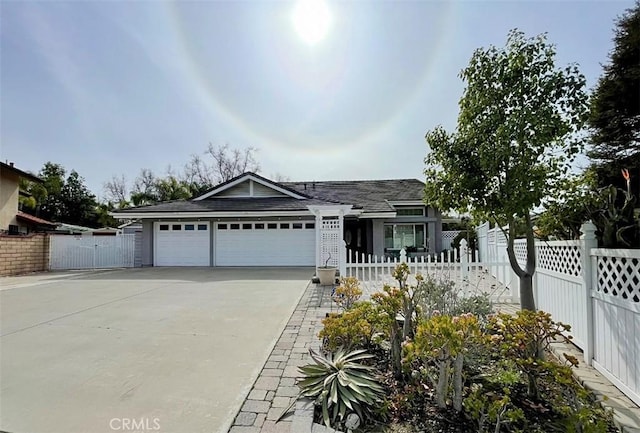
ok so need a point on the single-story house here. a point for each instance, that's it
(253, 221)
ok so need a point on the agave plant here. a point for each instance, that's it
(341, 385)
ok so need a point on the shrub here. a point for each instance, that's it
(356, 328)
(440, 295)
(347, 293)
(341, 385)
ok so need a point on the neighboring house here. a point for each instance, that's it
(11, 219)
(253, 221)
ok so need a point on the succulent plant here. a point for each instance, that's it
(341, 385)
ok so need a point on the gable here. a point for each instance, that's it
(249, 188)
(249, 185)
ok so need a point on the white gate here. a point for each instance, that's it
(91, 252)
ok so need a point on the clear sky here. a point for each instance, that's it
(107, 88)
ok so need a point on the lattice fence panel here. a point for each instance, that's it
(520, 248)
(448, 237)
(564, 259)
(619, 277)
(330, 242)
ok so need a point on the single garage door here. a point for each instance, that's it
(182, 243)
(263, 243)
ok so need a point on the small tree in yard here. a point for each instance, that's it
(516, 136)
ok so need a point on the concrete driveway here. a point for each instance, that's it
(169, 350)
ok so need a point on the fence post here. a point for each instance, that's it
(403, 256)
(589, 241)
(464, 264)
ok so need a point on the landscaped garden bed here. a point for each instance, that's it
(416, 357)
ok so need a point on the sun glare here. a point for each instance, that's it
(311, 20)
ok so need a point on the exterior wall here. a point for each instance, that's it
(147, 243)
(8, 200)
(23, 254)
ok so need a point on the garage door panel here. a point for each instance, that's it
(265, 247)
(177, 246)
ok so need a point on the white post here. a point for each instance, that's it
(342, 263)
(589, 241)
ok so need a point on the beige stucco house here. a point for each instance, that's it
(11, 219)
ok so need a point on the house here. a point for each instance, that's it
(12, 220)
(253, 221)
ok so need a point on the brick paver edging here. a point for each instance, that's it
(275, 387)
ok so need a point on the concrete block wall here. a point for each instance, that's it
(23, 254)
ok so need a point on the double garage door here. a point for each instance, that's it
(255, 243)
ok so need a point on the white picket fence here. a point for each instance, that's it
(596, 291)
(471, 276)
(91, 252)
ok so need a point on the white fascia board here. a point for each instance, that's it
(170, 215)
(330, 209)
(245, 178)
(378, 215)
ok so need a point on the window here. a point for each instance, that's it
(259, 226)
(397, 236)
(220, 227)
(246, 226)
(272, 226)
(202, 227)
(310, 226)
(297, 226)
(410, 211)
(164, 227)
(189, 227)
(284, 225)
(176, 227)
(234, 226)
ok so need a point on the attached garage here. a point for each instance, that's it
(182, 243)
(264, 243)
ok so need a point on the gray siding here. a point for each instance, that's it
(147, 243)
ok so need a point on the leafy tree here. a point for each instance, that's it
(78, 204)
(615, 108)
(574, 203)
(515, 138)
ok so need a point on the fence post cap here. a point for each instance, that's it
(588, 230)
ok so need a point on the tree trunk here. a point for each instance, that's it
(527, 302)
(457, 382)
(443, 383)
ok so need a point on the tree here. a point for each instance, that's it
(78, 204)
(225, 164)
(515, 137)
(116, 191)
(615, 108)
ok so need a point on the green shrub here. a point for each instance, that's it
(356, 328)
(347, 293)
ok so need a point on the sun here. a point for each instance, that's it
(311, 20)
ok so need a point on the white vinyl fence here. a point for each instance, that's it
(447, 238)
(91, 252)
(596, 291)
(471, 276)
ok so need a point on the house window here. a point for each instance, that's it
(397, 236)
(220, 227)
(189, 227)
(202, 227)
(410, 211)
(176, 227)
(164, 227)
(272, 226)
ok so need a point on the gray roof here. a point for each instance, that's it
(371, 196)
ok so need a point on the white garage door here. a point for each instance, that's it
(265, 244)
(182, 243)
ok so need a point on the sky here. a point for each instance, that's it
(110, 87)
